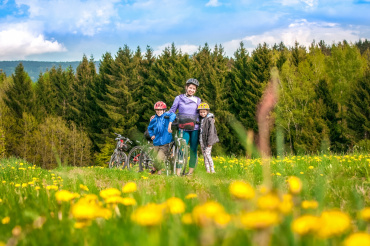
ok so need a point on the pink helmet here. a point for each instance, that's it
(160, 105)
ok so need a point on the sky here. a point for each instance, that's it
(65, 30)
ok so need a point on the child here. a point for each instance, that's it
(160, 132)
(208, 135)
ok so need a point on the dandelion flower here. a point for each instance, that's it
(205, 213)
(187, 219)
(52, 187)
(295, 185)
(82, 224)
(191, 195)
(286, 206)
(333, 223)
(305, 224)
(312, 204)
(129, 187)
(365, 214)
(109, 192)
(259, 219)
(84, 187)
(222, 219)
(148, 215)
(241, 190)
(268, 202)
(175, 205)
(310, 167)
(65, 196)
(5, 220)
(358, 239)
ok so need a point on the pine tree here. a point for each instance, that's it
(358, 115)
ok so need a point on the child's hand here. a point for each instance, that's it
(169, 127)
(152, 117)
(153, 137)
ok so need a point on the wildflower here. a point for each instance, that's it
(312, 204)
(191, 195)
(278, 174)
(129, 187)
(187, 219)
(24, 185)
(109, 192)
(269, 202)
(52, 187)
(358, 239)
(333, 223)
(87, 211)
(305, 224)
(3, 181)
(144, 177)
(310, 167)
(259, 219)
(1, 200)
(205, 213)
(286, 205)
(127, 201)
(37, 187)
(301, 172)
(82, 224)
(65, 196)
(148, 215)
(295, 185)
(175, 205)
(241, 190)
(222, 219)
(5, 220)
(365, 214)
(84, 187)
(17, 185)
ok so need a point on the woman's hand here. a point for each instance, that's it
(169, 127)
(153, 137)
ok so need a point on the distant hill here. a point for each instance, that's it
(33, 68)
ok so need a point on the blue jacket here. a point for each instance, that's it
(158, 127)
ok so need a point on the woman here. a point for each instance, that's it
(187, 104)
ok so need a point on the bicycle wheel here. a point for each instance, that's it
(133, 157)
(170, 158)
(123, 160)
(145, 161)
(113, 160)
(182, 157)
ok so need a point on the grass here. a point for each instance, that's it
(31, 215)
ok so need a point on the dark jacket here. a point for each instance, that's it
(209, 132)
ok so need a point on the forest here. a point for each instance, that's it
(68, 117)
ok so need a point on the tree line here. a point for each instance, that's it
(68, 117)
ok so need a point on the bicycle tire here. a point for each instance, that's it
(145, 161)
(133, 157)
(112, 160)
(182, 156)
(169, 162)
(123, 160)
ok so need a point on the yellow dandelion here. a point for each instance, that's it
(333, 223)
(309, 204)
(365, 214)
(5, 220)
(204, 214)
(222, 219)
(65, 196)
(37, 187)
(84, 187)
(269, 201)
(241, 190)
(310, 167)
(109, 192)
(191, 196)
(187, 219)
(148, 215)
(17, 185)
(305, 224)
(278, 174)
(358, 239)
(82, 224)
(52, 187)
(301, 172)
(286, 206)
(175, 205)
(128, 201)
(259, 219)
(129, 187)
(295, 185)
(88, 211)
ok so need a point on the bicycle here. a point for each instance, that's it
(119, 158)
(180, 150)
(139, 157)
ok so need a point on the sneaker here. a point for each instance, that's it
(188, 174)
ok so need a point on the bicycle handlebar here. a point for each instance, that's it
(124, 138)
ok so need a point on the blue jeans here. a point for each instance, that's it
(192, 137)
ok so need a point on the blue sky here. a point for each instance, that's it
(64, 30)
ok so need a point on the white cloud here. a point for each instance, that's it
(302, 31)
(213, 3)
(76, 16)
(18, 41)
(185, 48)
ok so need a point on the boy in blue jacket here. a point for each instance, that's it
(160, 132)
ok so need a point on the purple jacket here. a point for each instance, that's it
(186, 106)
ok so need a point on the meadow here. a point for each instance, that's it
(294, 200)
